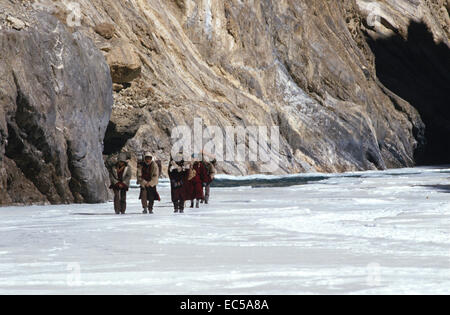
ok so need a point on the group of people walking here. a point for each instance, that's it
(189, 181)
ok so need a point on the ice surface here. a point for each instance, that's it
(358, 233)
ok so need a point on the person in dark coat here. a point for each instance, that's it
(177, 174)
(148, 179)
(120, 177)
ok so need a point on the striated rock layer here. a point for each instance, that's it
(305, 66)
(317, 69)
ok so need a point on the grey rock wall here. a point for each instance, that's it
(55, 105)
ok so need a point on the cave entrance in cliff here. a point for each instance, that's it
(115, 140)
(418, 70)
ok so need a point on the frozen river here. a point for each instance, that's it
(360, 233)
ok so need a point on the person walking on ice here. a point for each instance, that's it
(148, 178)
(209, 162)
(120, 177)
(196, 176)
(177, 174)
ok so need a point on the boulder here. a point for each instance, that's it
(17, 24)
(106, 30)
(123, 61)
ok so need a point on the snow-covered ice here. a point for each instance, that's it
(359, 233)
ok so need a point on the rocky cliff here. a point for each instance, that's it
(55, 105)
(318, 69)
(305, 66)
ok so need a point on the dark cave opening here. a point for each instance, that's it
(115, 140)
(418, 70)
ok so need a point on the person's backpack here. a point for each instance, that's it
(208, 167)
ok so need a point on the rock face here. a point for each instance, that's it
(305, 66)
(55, 105)
(413, 61)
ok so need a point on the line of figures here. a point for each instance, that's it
(189, 181)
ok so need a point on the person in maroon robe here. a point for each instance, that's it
(196, 177)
